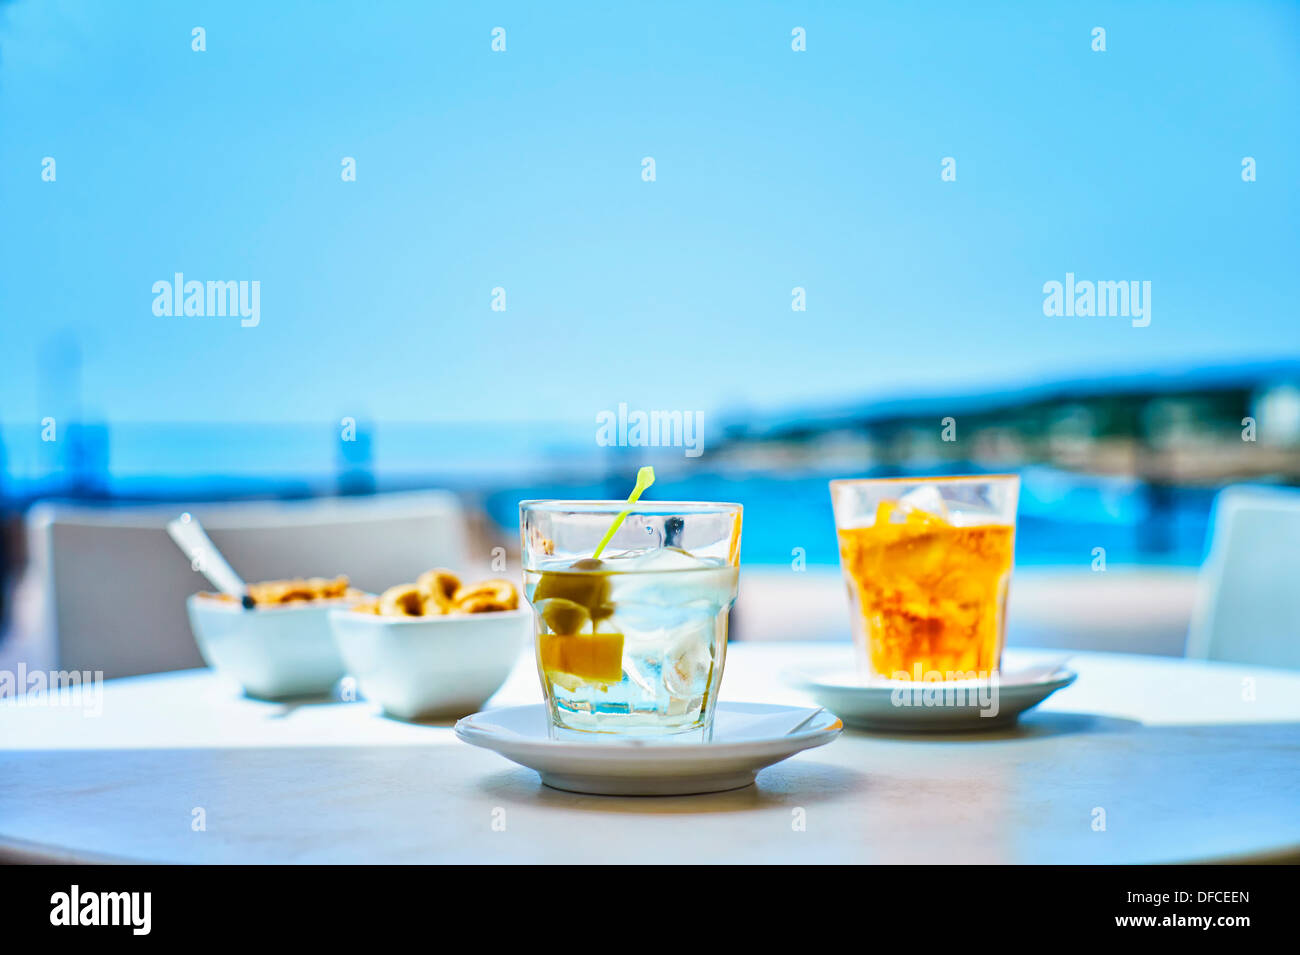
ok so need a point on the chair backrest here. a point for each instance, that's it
(1248, 605)
(117, 584)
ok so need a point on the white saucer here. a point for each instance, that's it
(905, 706)
(746, 738)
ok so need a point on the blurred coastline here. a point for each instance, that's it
(1129, 463)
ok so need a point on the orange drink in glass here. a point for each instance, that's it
(928, 563)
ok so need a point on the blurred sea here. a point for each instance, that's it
(1063, 516)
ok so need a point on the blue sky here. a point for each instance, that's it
(522, 169)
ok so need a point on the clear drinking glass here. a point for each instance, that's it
(927, 562)
(634, 642)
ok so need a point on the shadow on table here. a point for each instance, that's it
(283, 709)
(1032, 726)
(794, 783)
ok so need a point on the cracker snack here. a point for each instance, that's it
(438, 592)
(270, 593)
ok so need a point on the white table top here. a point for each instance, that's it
(1189, 761)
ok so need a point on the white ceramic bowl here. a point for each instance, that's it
(419, 667)
(272, 652)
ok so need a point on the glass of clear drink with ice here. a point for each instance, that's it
(632, 642)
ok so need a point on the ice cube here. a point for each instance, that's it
(641, 671)
(925, 499)
(661, 558)
(687, 663)
(656, 578)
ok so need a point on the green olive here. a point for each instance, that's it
(564, 616)
(583, 585)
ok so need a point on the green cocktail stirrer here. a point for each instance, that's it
(644, 478)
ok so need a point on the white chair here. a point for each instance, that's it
(115, 584)
(1248, 605)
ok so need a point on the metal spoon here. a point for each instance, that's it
(194, 542)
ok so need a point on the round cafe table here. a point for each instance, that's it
(1143, 759)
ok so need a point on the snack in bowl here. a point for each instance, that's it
(282, 647)
(404, 600)
(434, 647)
(441, 585)
(299, 590)
(489, 596)
(438, 592)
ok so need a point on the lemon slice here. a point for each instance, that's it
(597, 657)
